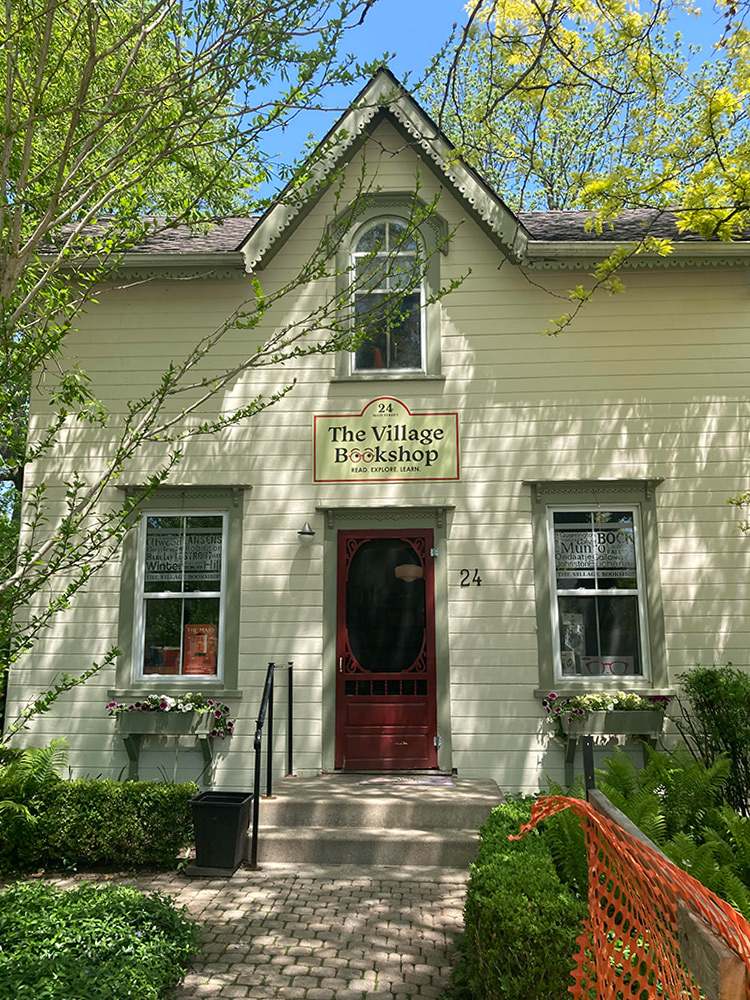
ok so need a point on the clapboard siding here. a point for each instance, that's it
(650, 383)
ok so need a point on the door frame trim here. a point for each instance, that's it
(435, 517)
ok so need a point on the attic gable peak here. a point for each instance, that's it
(384, 95)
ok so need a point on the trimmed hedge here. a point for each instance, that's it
(521, 921)
(94, 822)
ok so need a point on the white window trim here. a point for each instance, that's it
(643, 638)
(352, 357)
(139, 618)
(433, 233)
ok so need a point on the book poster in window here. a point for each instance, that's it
(200, 649)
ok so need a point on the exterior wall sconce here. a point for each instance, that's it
(306, 533)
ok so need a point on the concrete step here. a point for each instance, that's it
(347, 819)
(331, 801)
(375, 846)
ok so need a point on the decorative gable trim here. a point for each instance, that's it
(384, 98)
(578, 255)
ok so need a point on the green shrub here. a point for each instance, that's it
(27, 773)
(525, 899)
(521, 921)
(678, 802)
(715, 722)
(101, 943)
(92, 822)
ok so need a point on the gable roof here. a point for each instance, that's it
(222, 236)
(384, 98)
(630, 225)
(547, 239)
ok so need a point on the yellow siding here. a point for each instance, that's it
(650, 383)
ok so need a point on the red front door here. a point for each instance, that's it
(386, 714)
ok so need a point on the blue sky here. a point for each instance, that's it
(411, 32)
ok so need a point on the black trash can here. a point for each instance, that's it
(221, 821)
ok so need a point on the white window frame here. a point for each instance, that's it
(433, 233)
(640, 593)
(354, 255)
(139, 622)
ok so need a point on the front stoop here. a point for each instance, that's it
(335, 819)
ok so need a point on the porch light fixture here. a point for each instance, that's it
(306, 533)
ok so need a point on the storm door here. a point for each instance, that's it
(385, 655)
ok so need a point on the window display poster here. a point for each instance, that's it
(603, 552)
(200, 649)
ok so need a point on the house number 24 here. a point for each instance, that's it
(470, 578)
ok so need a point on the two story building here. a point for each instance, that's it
(439, 527)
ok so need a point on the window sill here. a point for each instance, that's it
(566, 689)
(388, 377)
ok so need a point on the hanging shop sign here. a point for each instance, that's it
(385, 442)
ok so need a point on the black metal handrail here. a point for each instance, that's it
(266, 709)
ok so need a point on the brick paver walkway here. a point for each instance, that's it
(321, 933)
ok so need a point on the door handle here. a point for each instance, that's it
(341, 664)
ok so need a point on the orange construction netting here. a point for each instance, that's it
(629, 948)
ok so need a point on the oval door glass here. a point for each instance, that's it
(385, 605)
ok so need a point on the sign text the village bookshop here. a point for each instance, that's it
(386, 441)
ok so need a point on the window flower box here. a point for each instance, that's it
(644, 722)
(163, 724)
(162, 715)
(614, 713)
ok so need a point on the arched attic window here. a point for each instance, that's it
(388, 298)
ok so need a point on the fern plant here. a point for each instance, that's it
(672, 792)
(676, 801)
(567, 842)
(26, 774)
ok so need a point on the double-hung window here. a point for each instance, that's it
(180, 593)
(182, 584)
(598, 597)
(388, 299)
(597, 610)
(388, 267)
